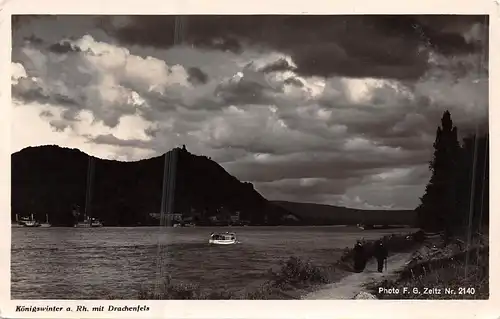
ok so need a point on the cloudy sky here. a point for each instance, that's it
(333, 109)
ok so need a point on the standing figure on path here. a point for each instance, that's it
(359, 257)
(380, 254)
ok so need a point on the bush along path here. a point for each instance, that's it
(350, 286)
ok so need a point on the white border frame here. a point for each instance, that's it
(250, 309)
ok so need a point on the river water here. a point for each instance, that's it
(100, 263)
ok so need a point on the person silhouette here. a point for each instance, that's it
(359, 257)
(380, 254)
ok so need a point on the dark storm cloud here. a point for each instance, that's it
(32, 39)
(397, 129)
(242, 93)
(306, 187)
(223, 44)
(168, 30)
(46, 114)
(357, 46)
(197, 76)
(294, 81)
(445, 33)
(151, 132)
(280, 65)
(19, 20)
(329, 165)
(63, 47)
(58, 125)
(250, 88)
(28, 91)
(403, 181)
(109, 139)
(38, 30)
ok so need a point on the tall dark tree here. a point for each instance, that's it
(438, 208)
(473, 188)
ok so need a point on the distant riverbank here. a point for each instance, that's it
(371, 227)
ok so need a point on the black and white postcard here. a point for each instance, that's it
(157, 155)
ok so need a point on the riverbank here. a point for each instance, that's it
(433, 271)
(449, 272)
(293, 279)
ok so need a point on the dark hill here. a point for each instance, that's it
(53, 180)
(333, 215)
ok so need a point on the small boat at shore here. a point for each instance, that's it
(88, 222)
(26, 222)
(18, 223)
(365, 226)
(46, 224)
(226, 238)
(184, 225)
(29, 222)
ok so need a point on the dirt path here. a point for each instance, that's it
(350, 286)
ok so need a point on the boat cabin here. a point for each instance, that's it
(225, 236)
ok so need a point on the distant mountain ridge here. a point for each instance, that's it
(52, 179)
(321, 214)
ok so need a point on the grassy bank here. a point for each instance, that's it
(289, 280)
(285, 282)
(455, 276)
